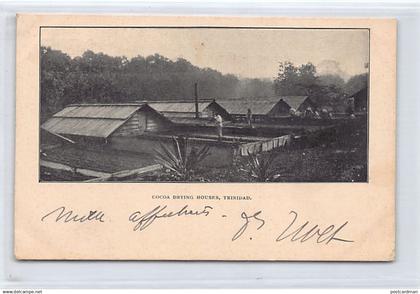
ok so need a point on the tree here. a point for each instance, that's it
(287, 79)
(294, 81)
(325, 90)
(55, 66)
(100, 78)
(255, 88)
(331, 79)
(356, 83)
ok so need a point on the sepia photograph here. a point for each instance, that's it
(205, 138)
(203, 104)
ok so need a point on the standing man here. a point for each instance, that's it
(350, 106)
(249, 117)
(219, 125)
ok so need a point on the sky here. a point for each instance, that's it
(247, 53)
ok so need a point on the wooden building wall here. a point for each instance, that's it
(215, 109)
(140, 122)
(155, 122)
(221, 153)
(281, 109)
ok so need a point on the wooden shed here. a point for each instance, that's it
(238, 108)
(299, 103)
(265, 108)
(105, 120)
(187, 109)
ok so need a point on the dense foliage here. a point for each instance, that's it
(328, 89)
(100, 78)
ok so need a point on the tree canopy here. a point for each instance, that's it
(100, 78)
(325, 90)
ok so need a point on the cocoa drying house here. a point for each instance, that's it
(140, 128)
(265, 109)
(104, 122)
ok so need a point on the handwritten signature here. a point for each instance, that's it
(302, 233)
(248, 219)
(62, 214)
(295, 231)
(142, 221)
(306, 232)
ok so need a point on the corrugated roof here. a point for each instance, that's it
(188, 107)
(259, 106)
(293, 101)
(91, 127)
(98, 111)
(241, 106)
(93, 120)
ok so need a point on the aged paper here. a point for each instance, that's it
(205, 138)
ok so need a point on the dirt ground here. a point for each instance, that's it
(337, 157)
(98, 160)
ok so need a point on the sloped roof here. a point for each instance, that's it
(116, 111)
(93, 120)
(293, 101)
(240, 106)
(188, 107)
(91, 127)
(259, 106)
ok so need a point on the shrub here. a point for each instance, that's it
(260, 166)
(178, 160)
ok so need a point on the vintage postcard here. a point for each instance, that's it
(205, 138)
